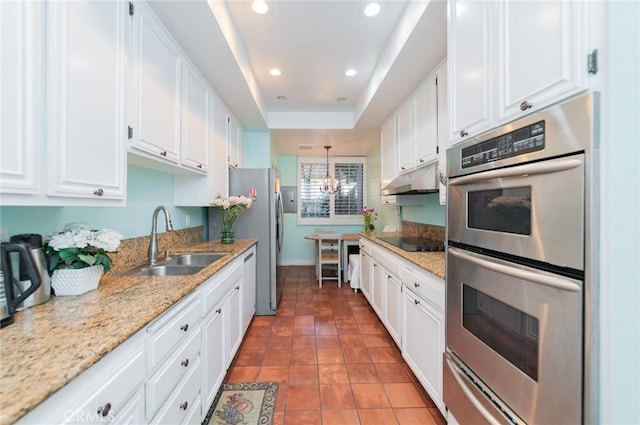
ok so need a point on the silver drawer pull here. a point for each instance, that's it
(416, 301)
(219, 311)
(184, 405)
(416, 285)
(98, 192)
(184, 327)
(104, 410)
(184, 363)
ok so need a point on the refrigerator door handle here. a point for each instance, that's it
(280, 219)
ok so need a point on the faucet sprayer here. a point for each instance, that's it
(153, 242)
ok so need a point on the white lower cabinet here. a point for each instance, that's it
(423, 340)
(248, 288)
(170, 371)
(410, 302)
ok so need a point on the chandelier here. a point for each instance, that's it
(328, 182)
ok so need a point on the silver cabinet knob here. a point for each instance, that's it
(184, 327)
(416, 301)
(525, 105)
(163, 153)
(98, 192)
(184, 363)
(104, 410)
(416, 285)
(184, 405)
(463, 133)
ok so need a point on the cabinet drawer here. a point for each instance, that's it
(214, 292)
(386, 260)
(109, 401)
(428, 286)
(171, 372)
(171, 329)
(365, 247)
(178, 408)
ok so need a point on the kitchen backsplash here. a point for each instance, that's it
(134, 252)
(429, 231)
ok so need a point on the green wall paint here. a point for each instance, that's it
(146, 189)
(258, 153)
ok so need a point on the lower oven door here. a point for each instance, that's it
(520, 331)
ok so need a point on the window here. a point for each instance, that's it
(343, 207)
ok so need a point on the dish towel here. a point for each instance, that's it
(354, 271)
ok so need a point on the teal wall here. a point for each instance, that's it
(258, 153)
(429, 213)
(146, 189)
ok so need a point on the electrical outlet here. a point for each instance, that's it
(187, 219)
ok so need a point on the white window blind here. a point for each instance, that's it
(315, 206)
(314, 203)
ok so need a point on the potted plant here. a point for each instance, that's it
(78, 256)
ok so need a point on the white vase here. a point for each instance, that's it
(76, 281)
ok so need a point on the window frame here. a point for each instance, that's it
(355, 219)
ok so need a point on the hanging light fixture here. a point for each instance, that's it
(328, 182)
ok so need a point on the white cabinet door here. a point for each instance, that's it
(423, 343)
(157, 88)
(248, 288)
(388, 152)
(425, 115)
(469, 61)
(377, 289)
(405, 137)
(232, 142)
(219, 156)
(86, 72)
(21, 89)
(214, 361)
(443, 128)
(366, 276)
(233, 307)
(195, 119)
(393, 308)
(541, 54)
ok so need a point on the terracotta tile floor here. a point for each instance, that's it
(333, 358)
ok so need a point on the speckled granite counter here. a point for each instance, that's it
(51, 344)
(433, 262)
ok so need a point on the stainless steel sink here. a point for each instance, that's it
(180, 265)
(195, 259)
(165, 270)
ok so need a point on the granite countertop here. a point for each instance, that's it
(433, 262)
(53, 343)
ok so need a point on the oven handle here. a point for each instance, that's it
(552, 281)
(457, 375)
(544, 167)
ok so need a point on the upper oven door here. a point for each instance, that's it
(534, 210)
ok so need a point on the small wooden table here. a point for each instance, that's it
(348, 239)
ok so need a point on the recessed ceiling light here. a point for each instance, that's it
(281, 97)
(372, 9)
(350, 72)
(275, 72)
(341, 99)
(260, 6)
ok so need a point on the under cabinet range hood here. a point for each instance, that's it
(418, 181)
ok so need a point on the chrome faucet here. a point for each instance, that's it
(153, 242)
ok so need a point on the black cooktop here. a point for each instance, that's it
(414, 243)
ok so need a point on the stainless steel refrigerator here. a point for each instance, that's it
(263, 221)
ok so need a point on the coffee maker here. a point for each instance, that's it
(26, 279)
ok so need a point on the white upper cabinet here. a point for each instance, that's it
(444, 132)
(195, 119)
(64, 81)
(86, 91)
(425, 123)
(540, 46)
(235, 142)
(405, 136)
(469, 61)
(219, 172)
(388, 151)
(21, 78)
(510, 58)
(157, 84)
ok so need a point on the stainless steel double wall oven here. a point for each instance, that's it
(516, 281)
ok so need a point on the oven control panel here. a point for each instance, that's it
(518, 142)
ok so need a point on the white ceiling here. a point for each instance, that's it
(313, 42)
